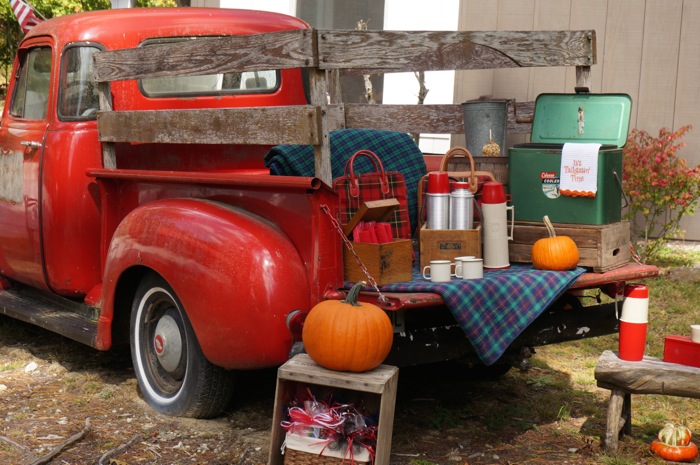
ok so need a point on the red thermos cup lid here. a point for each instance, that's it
(637, 291)
(493, 192)
(438, 182)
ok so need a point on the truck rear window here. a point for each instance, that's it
(210, 84)
(78, 98)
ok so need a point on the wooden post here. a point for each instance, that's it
(322, 152)
(109, 158)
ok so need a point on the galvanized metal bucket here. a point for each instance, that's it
(482, 116)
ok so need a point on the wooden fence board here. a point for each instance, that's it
(264, 125)
(396, 51)
(273, 50)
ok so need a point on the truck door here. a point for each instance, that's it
(22, 134)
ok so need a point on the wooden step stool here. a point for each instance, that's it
(381, 381)
(648, 376)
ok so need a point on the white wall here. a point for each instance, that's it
(278, 6)
(419, 15)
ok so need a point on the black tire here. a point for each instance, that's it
(174, 376)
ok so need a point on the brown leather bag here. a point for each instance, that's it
(476, 179)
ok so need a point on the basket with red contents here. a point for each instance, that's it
(322, 434)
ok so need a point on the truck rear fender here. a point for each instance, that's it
(236, 274)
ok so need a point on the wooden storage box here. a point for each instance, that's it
(601, 247)
(447, 244)
(387, 263)
(376, 388)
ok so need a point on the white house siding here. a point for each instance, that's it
(649, 49)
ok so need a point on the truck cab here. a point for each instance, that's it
(194, 222)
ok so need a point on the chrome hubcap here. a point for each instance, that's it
(167, 343)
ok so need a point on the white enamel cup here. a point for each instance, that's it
(440, 271)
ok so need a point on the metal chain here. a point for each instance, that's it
(348, 244)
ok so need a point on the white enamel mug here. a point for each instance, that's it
(469, 267)
(440, 271)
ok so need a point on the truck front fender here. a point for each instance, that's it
(236, 274)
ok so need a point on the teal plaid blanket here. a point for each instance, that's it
(396, 150)
(493, 311)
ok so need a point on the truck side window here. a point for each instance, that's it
(31, 95)
(258, 82)
(78, 98)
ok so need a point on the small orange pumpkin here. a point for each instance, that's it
(674, 444)
(347, 335)
(557, 253)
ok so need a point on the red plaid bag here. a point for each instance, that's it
(355, 189)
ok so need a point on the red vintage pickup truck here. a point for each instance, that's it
(190, 251)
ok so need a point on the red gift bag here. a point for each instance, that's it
(356, 188)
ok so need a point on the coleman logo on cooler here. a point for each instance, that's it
(550, 184)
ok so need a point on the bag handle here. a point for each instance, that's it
(378, 167)
(461, 152)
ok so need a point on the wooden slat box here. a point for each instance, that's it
(387, 263)
(377, 386)
(601, 247)
(447, 244)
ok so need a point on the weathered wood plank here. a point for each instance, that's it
(392, 51)
(264, 125)
(274, 50)
(435, 119)
(359, 52)
(648, 376)
(322, 152)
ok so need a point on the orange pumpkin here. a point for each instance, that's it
(673, 444)
(347, 335)
(557, 253)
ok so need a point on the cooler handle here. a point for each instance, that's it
(622, 190)
(512, 220)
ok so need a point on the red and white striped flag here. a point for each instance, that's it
(26, 15)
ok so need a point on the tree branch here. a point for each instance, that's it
(57, 450)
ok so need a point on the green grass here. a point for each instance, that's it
(673, 306)
(671, 256)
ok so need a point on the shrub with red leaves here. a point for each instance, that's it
(661, 188)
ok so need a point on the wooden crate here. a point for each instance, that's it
(447, 244)
(387, 263)
(601, 247)
(378, 384)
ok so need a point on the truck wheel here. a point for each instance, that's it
(173, 374)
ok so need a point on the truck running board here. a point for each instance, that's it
(71, 319)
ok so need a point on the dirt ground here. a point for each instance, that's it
(51, 388)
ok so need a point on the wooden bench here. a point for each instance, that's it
(648, 376)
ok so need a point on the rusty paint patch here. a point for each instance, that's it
(12, 186)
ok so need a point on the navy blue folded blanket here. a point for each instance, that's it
(396, 150)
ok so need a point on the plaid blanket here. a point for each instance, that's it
(396, 150)
(493, 311)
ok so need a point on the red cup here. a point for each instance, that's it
(493, 192)
(633, 339)
(438, 182)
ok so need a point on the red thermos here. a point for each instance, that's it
(494, 212)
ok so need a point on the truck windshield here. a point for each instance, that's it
(209, 84)
(78, 96)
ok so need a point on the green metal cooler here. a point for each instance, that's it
(534, 168)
